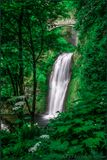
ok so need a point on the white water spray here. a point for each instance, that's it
(58, 84)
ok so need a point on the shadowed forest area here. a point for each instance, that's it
(53, 94)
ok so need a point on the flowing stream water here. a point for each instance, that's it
(58, 84)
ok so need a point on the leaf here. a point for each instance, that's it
(75, 149)
(58, 146)
(63, 129)
(92, 142)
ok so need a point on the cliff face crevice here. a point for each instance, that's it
(74, 87)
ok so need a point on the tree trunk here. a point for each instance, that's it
(34, 89)
(21, 68)
(34, 74)
(12, 78)
(12, 82)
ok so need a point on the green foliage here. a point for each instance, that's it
(15, 145)
(93, 38)
(81, 132)
(89, 79)
(58, 146)
(8, 138)
(26, 39)
(28, 132)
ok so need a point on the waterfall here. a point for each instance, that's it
(58, 84)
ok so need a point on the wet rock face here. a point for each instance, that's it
(71, 35)
(74, 37)
(60, 23)
(4, 126)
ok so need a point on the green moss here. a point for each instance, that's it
(75, 83)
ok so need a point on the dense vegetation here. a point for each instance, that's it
(28, 52)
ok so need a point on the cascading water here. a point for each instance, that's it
(58, 84)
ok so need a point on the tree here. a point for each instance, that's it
(29, 39)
